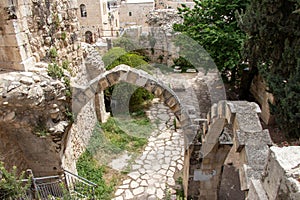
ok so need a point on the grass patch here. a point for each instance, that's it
(89, 168)
(108, 141)
(129, 135)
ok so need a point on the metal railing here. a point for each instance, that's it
(78, 186)
(67, 185)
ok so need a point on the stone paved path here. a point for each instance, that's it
(152, 174)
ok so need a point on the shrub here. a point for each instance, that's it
(55, 71)
(10, 185)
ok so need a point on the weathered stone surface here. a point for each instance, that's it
(256, 191)
(281, 178)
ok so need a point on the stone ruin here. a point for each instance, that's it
(265, 171)
(36, 132)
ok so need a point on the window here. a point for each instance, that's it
(130, 14)
(83, 10)
(104, 8)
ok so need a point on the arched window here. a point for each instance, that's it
(88, 37)
(83, 10)
(130, 14)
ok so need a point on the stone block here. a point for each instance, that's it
(166, 95)
(256, 191)
(150, 85)
(141, 81)
(158, 91)
(243, 138)
(176, 108)
(256, 156)
(171, 102)
(94, 85)
(282, 173)
(222, 109)
(132, 77)
(246, 173)
(113, 77)
(89, 93)
(103, 84)
(247, 122)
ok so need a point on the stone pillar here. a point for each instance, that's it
(101, 113)
(14, 49)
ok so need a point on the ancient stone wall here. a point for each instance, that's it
(259, 91)
(34, 119)
(280, 179)
(160, 38)
(39, 30)
(93, 111)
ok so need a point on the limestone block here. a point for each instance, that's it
(141, 81)
(281, 179)
(158, 91)
(256, 191)
(94, 85)
(172, 102)
(132, 77)
(166, 95)
(150, 85)
(243, 138)
(256, 156)
(113, 77)
(248, 122)
(103, 84)
(246, 173)
(89, 93)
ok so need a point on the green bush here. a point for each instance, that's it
(117, 56)
(10, 185)
(53, 53)
(55, 71)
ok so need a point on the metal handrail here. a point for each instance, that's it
(81, 179)
(42, 187)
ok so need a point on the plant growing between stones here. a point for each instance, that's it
(64, 35)
(53, 53)
(55, 71)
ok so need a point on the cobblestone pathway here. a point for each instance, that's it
(152, 174)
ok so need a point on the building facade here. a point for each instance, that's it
(134, 12)
(97, 19)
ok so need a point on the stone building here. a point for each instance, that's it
(97, 19)
(34, 31)
(134, 12)
(173, 4)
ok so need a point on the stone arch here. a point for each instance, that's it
(124, 73)
(88, 37)
(83, 12)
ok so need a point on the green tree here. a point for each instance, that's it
(273, 49)
(117, 56)
(213, 24)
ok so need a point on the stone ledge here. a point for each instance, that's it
(256, 191)
(243, 138)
